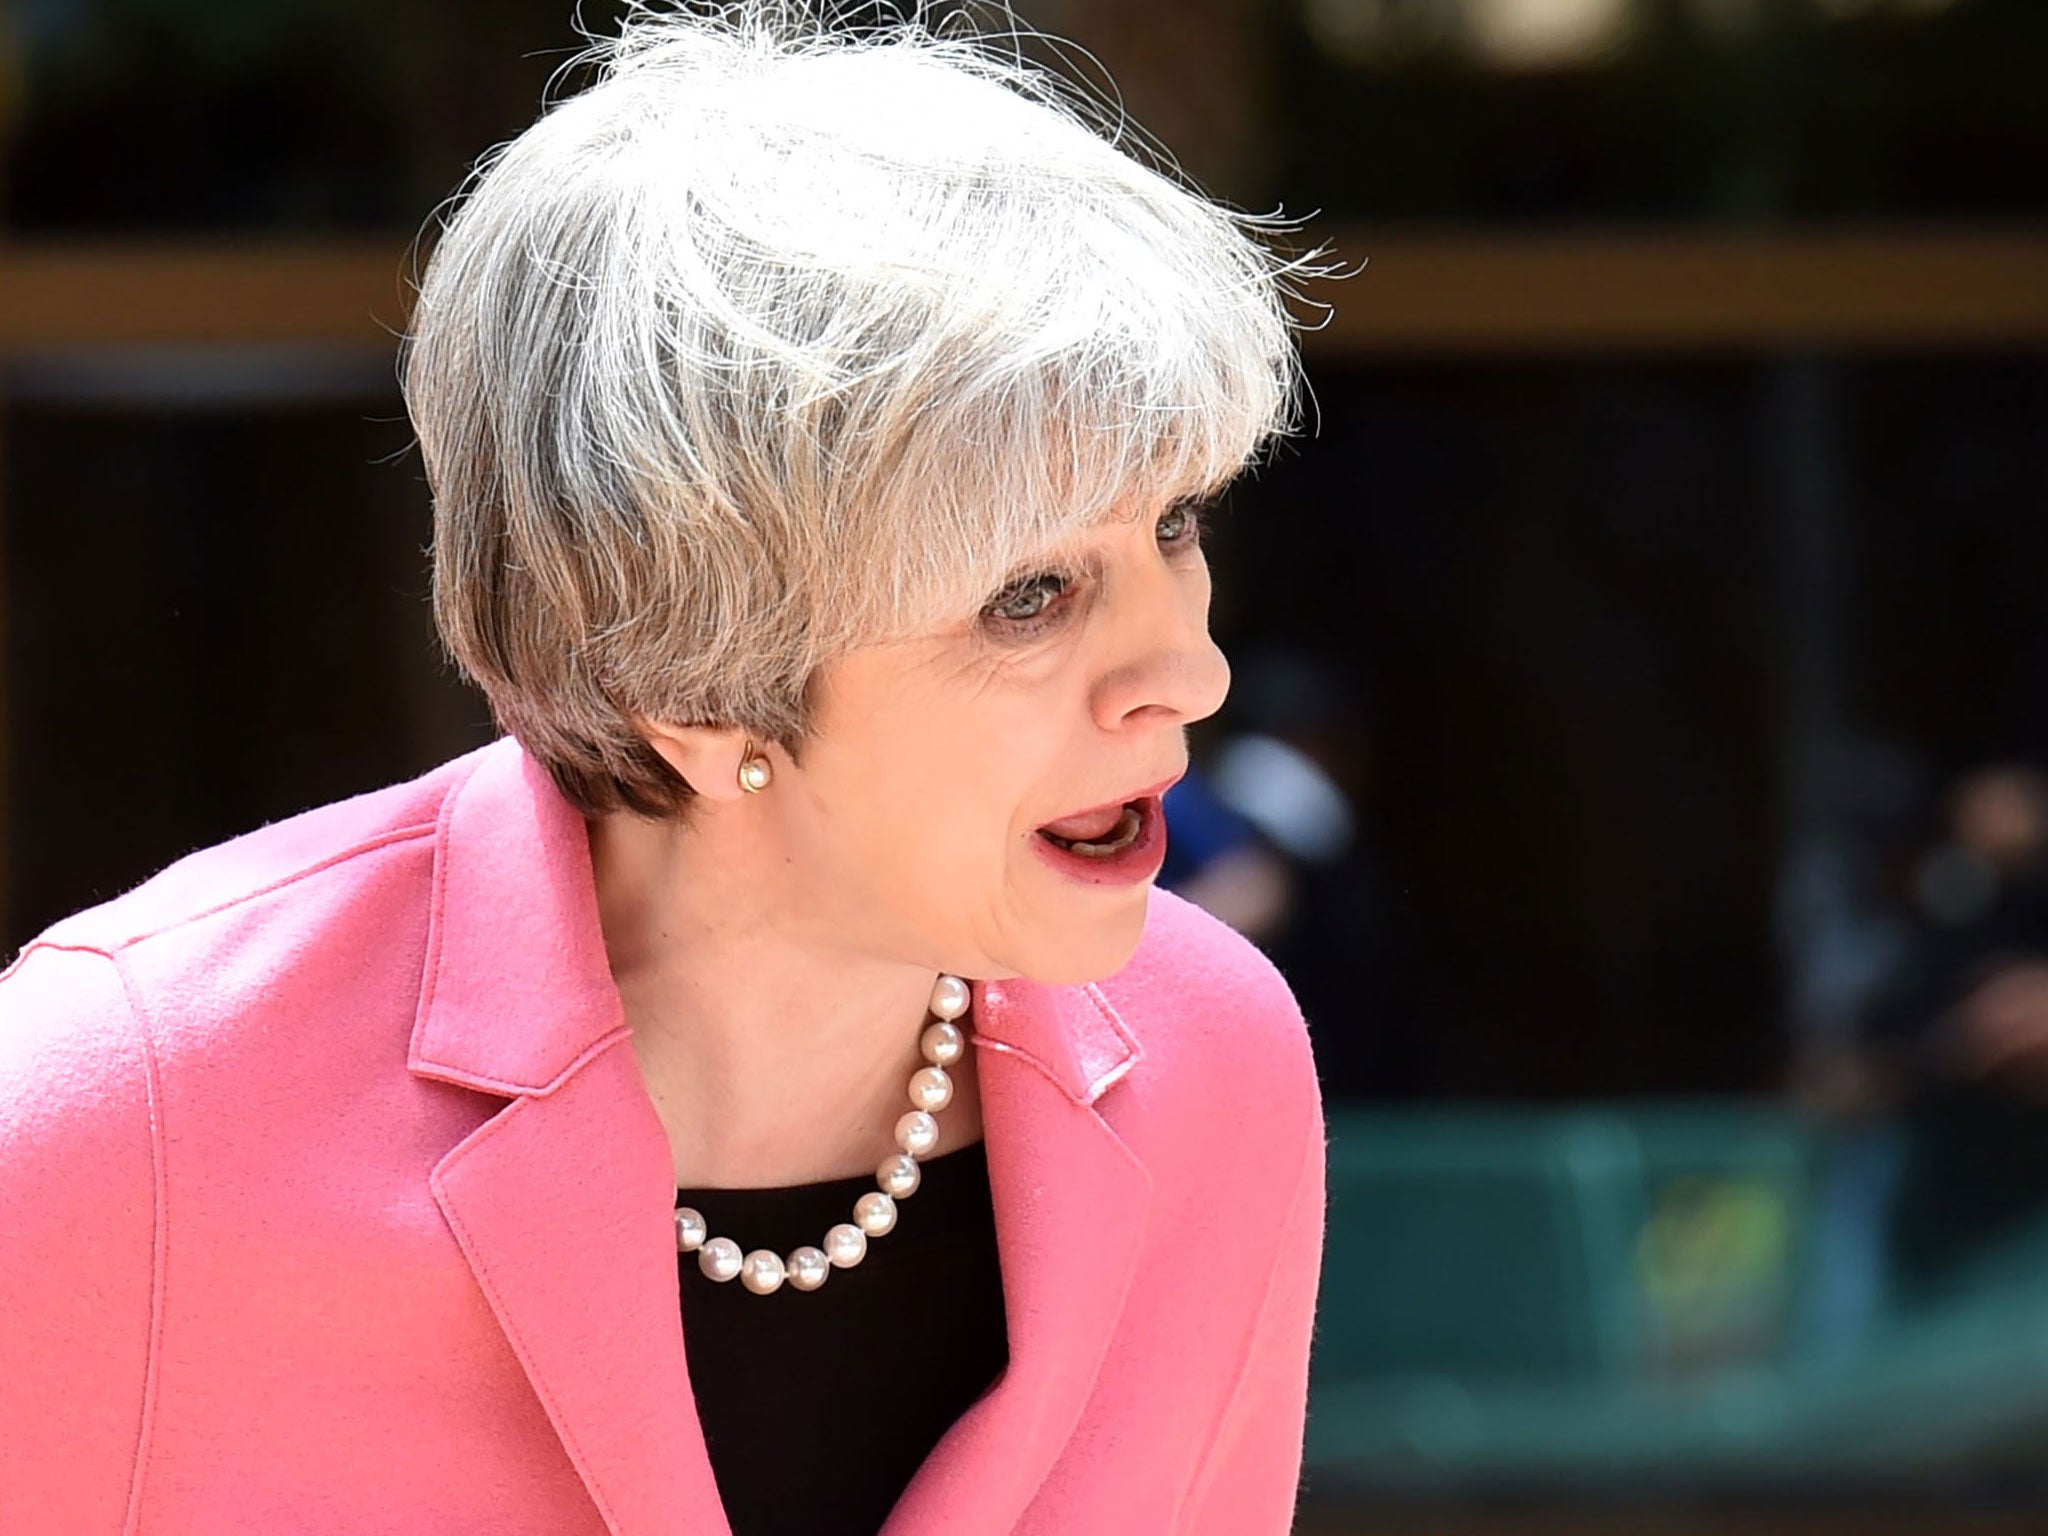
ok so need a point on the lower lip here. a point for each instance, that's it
(1137, 863)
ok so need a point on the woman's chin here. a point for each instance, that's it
(1097, 950)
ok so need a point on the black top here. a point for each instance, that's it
(819, 1406)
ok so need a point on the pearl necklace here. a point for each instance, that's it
(874, 1214)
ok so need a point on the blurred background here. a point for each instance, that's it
(1638, 758)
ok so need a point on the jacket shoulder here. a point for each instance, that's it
(67, 1042)
(262, 860)
(78, 1156)
(1200, 994)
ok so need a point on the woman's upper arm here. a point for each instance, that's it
(1251, 1473)
(79, 1239)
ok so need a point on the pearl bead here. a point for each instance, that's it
(950, 997)
(846, 1245)
(808, 1268)
(875, 1213)
(943, 1044)
(761, 1271)
(917, 1133)
(719, 1258)
(931, 1089)
(899, 1176)
(755, 775)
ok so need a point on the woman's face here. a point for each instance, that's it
(913, 822)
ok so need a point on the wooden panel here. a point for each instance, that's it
(84, 295)
(1585, 292)
(1457, 292)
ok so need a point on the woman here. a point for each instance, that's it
(817, 425)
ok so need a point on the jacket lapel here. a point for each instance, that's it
(562, 1206)
(561, 1202)
(1070, 1207)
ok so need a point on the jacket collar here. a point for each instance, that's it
(562, 1201)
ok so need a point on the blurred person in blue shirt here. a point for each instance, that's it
(1947, 1078)
(1264, 835)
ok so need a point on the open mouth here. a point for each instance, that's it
(1112, 846)
(1120, 836)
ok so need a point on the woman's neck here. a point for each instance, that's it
(772, 1057)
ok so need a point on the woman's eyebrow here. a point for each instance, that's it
(1082, 549)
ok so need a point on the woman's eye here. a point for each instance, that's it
(1028, 600)
(1182, 523)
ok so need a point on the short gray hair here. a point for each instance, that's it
(785, 337)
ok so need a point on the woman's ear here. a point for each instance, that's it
(708, 757)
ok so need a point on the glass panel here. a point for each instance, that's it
(303, 115)
(1551, 587)
(217, 616)
(1713, 110)
(324, 115)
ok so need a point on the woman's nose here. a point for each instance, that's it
(1169, 665)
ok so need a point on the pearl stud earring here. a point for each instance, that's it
(754, 772)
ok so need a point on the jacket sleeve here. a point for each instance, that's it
(78, 1241)
(1251, 1473)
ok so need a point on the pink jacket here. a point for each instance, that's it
(331, 1201)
